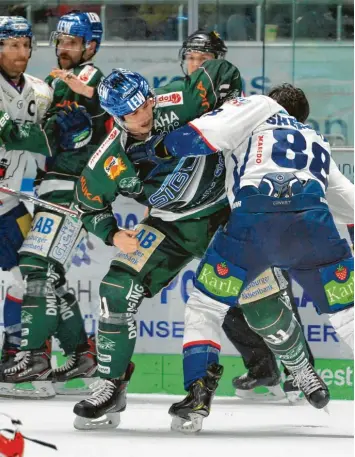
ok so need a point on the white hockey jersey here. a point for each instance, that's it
(257, 137)
(27, 107)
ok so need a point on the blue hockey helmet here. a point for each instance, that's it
(15, 27)
(123, 91)
(85, 25)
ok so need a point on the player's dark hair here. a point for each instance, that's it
(293, 99)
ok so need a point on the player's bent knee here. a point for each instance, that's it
(271, 317)
(122, 293)
(203, 319)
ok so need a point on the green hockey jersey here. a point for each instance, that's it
(179, 189)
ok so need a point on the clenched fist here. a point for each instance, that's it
(126, 241)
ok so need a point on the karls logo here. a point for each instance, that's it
(170, 99)
(216, 281)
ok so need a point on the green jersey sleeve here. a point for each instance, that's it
(34, 138)
(91, 76)
(182, 101)
(107, 174)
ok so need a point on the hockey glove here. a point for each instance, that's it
(75, 127)
(152, 150)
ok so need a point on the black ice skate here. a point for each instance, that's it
(188, 414)
(102, 410)
(76, 375)
(293, 393)
(267, 387)
(313, 387)
(29, 376)
(8, 354)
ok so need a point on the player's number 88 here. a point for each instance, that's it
(293, 140)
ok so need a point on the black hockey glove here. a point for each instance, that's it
(152, 150)
(75, 126)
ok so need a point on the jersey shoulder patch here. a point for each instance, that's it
(87, 73)
(104, 147)
(170, 99)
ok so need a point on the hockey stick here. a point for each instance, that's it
(38, 201)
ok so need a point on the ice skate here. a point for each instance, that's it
(102, 409)
(8, 354)
(264, 388)
(189, 414)
(76, 375)
(29, 376)
(312, 386)
(294, 395)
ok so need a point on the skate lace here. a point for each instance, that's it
(306, 380)
(69, 364)
(102, 391)
(21, 359)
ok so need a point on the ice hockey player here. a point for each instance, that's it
(257, 357)
(280, 217)
(24, 101)
(48, 307)
(167, 240)
(182, 218)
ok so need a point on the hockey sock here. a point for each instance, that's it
(71, 330)
(273, 319)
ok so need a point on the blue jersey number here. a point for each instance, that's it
(294, 141)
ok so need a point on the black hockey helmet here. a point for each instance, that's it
(203, 41)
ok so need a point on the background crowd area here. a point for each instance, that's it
(165, 20)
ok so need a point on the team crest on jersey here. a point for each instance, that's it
(114, 166)
(239, 101)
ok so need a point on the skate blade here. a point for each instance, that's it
(194, 425)
(262, 394)
(295, 398)
(326, 410)
(79, 386)
(108, 421)
(35, 390)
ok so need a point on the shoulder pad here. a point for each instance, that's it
(43, 95)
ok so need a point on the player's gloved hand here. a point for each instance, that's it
(74, 125)
(152, 150)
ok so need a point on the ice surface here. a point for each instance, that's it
(234, 429)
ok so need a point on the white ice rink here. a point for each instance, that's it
(234, 429)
